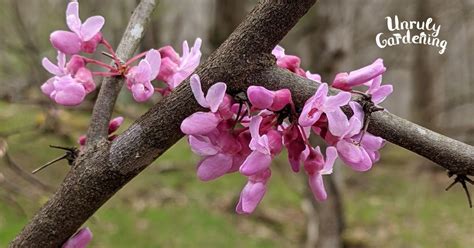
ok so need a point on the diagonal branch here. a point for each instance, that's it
(111, 86)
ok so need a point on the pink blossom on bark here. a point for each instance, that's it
(80, 240)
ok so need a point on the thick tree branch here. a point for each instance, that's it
(102, 170)
(111, 86)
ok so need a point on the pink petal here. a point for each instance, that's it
(358, 111)
(381, 93)
(255, 162)
(366, 73)
(314, 77)
(331, 156)
(254, 127)
(278, 51)
(349, 153)
(52, 68)
(167, 69)
(75, 63)
(317, 186)
(115, 123)
(196, 88)
(338, 123)
(70, 94)
(153, 58)
(170, 53)
(250, 197)
(66, 42)
(260, 97)
(334, 102)
(281, 98)
(215, 95)
(72, 17)
(91, 45)
(371, 142)
(214, 166)
(48, 87)
(91, 27)
(200, 123)
(79, 240)
(85, 77)
(202, 145)
(142, 92)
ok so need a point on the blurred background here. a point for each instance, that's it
(401, 202)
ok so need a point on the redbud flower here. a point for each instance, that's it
(315, 166)
(289, 62)
(262, 98)
(379, 93)
(71, 83)
(204, 122)
(139, 77)
(80, 240)
(261, 146)
(176, 69)
(320, 103)
(345, 81)
(253, 192)
(358, 154)
(84, 36)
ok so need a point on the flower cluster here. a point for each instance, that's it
(72, 80)
(246, 133)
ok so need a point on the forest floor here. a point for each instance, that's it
(399, 203)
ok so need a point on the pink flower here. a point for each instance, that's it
(176, 69)
(139, 77)
(262, 98)
(64, 90)
(80, 240)
(84, 36)
(263, 147)
(71, 83)
(289, 62)
(360, 156)
(315, 166)
(253, 192)
(219, 150)
(345, 81)
(314, 77)
(378, 92)
(320, 103)
(204, 122)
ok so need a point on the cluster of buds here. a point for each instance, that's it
(245, 134)
(72, 80)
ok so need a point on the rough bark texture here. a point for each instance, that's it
(244, 58)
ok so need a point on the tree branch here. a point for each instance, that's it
(111, 86)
